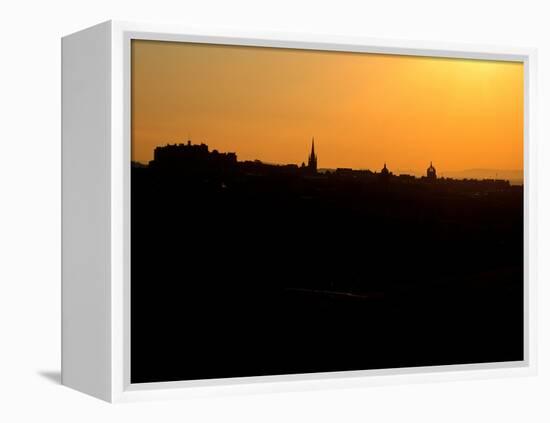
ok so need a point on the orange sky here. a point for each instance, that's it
(363, 109)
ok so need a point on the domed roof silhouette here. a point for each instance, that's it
(431, 172)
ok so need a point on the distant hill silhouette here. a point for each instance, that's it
(514, 176)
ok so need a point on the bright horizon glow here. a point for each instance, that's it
(363, 109)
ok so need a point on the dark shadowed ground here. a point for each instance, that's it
(260, 272)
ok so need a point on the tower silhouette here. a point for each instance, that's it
(312, 159)
(385, 173)
(431, 173)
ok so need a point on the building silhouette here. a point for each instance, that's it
(191, 157)
(385, 173)
(312, 159)
(431, 173)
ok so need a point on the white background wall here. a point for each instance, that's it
(30, 208)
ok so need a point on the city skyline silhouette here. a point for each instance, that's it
(515, 177)
(301, 270)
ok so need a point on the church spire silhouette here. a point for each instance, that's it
(312, 159)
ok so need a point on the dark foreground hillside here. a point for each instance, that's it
(245, 272)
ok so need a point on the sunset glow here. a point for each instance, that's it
(362, 109)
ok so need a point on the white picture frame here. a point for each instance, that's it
(96, 213)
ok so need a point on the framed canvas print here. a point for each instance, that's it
(248, 212)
